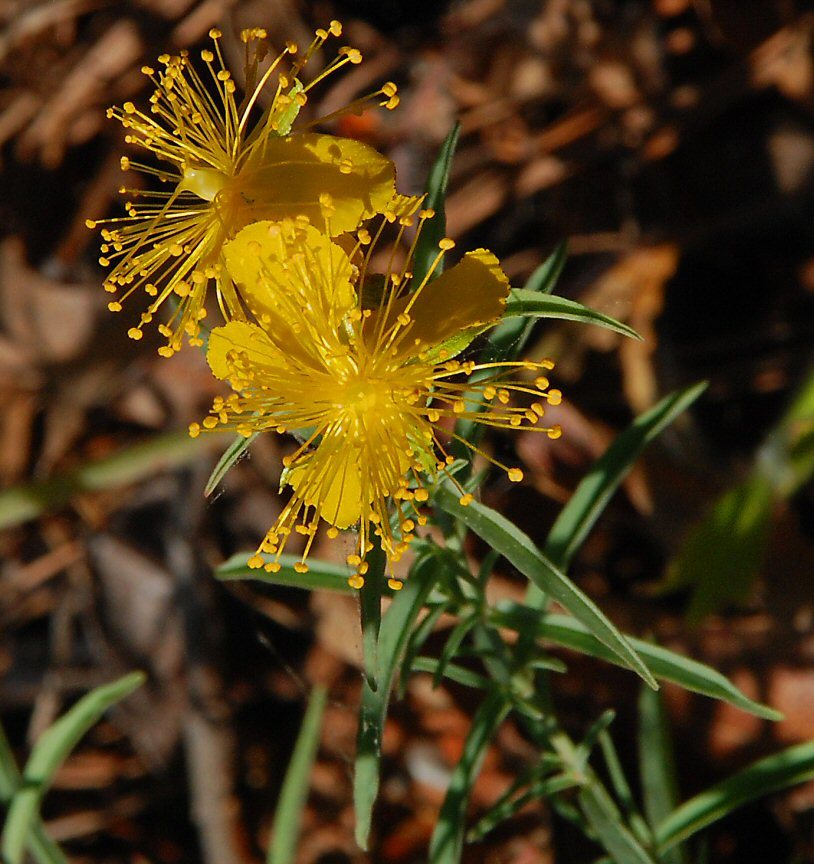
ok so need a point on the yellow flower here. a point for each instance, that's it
(225, 175)
(371, 393)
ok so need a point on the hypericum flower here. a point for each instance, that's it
(371, 392)
(227, 173)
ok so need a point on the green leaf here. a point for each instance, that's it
(233, 453)
(722, 555)
(787, 455)
(657, 766)
(453, 643)
(447, 839)
(288, 815)
(455, 673)
(434, 230)
(9, 775)
(664, 664)
(594, 492)
(607, 822)
(321, 575)
(544, 279)
(639, 828)
(370, 601)
(397, 624)
(533, 304)
(162, 453)
(507, 805)
(518, 548)
(416, 642)
(41, 847)
(508, 339)
(49, 753)
(582, 751)
(787, 768)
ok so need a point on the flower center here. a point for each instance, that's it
(364, 396)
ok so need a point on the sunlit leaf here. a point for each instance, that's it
(533, 304)
(664, 664)
(518, 548)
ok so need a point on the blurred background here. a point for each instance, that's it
(671, 143)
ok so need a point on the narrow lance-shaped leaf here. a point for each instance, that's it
(787, 768)
(129, 465)
(533, 304)
(370, 601)
(519, 549)
(664, 664)
(510, 802)
(434, 229)
(321, 575)
(452, 671)
(544, 279)
(622, 791)
(596, 489)
(41, 847)
(288, 815)
(507, 340)
(606, 820)
(50, 752)
(723, 554)
(657, 767)
(396, 626)
(233, 453)
(591, 497)
(447, 839)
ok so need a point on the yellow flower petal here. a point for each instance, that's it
(286, 177)
(282, 269)
(238, 336)
(338, 500)
(470, 295)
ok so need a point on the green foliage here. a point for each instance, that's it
(787, 768)
(397, 624)
(512, 678)
(724, 553)
(231, 456)
(162, 453)
(435, 229)
(288, 815)
(321, 575)
(657, 772)
(24, 794)
(519, 550)
(526, 303)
